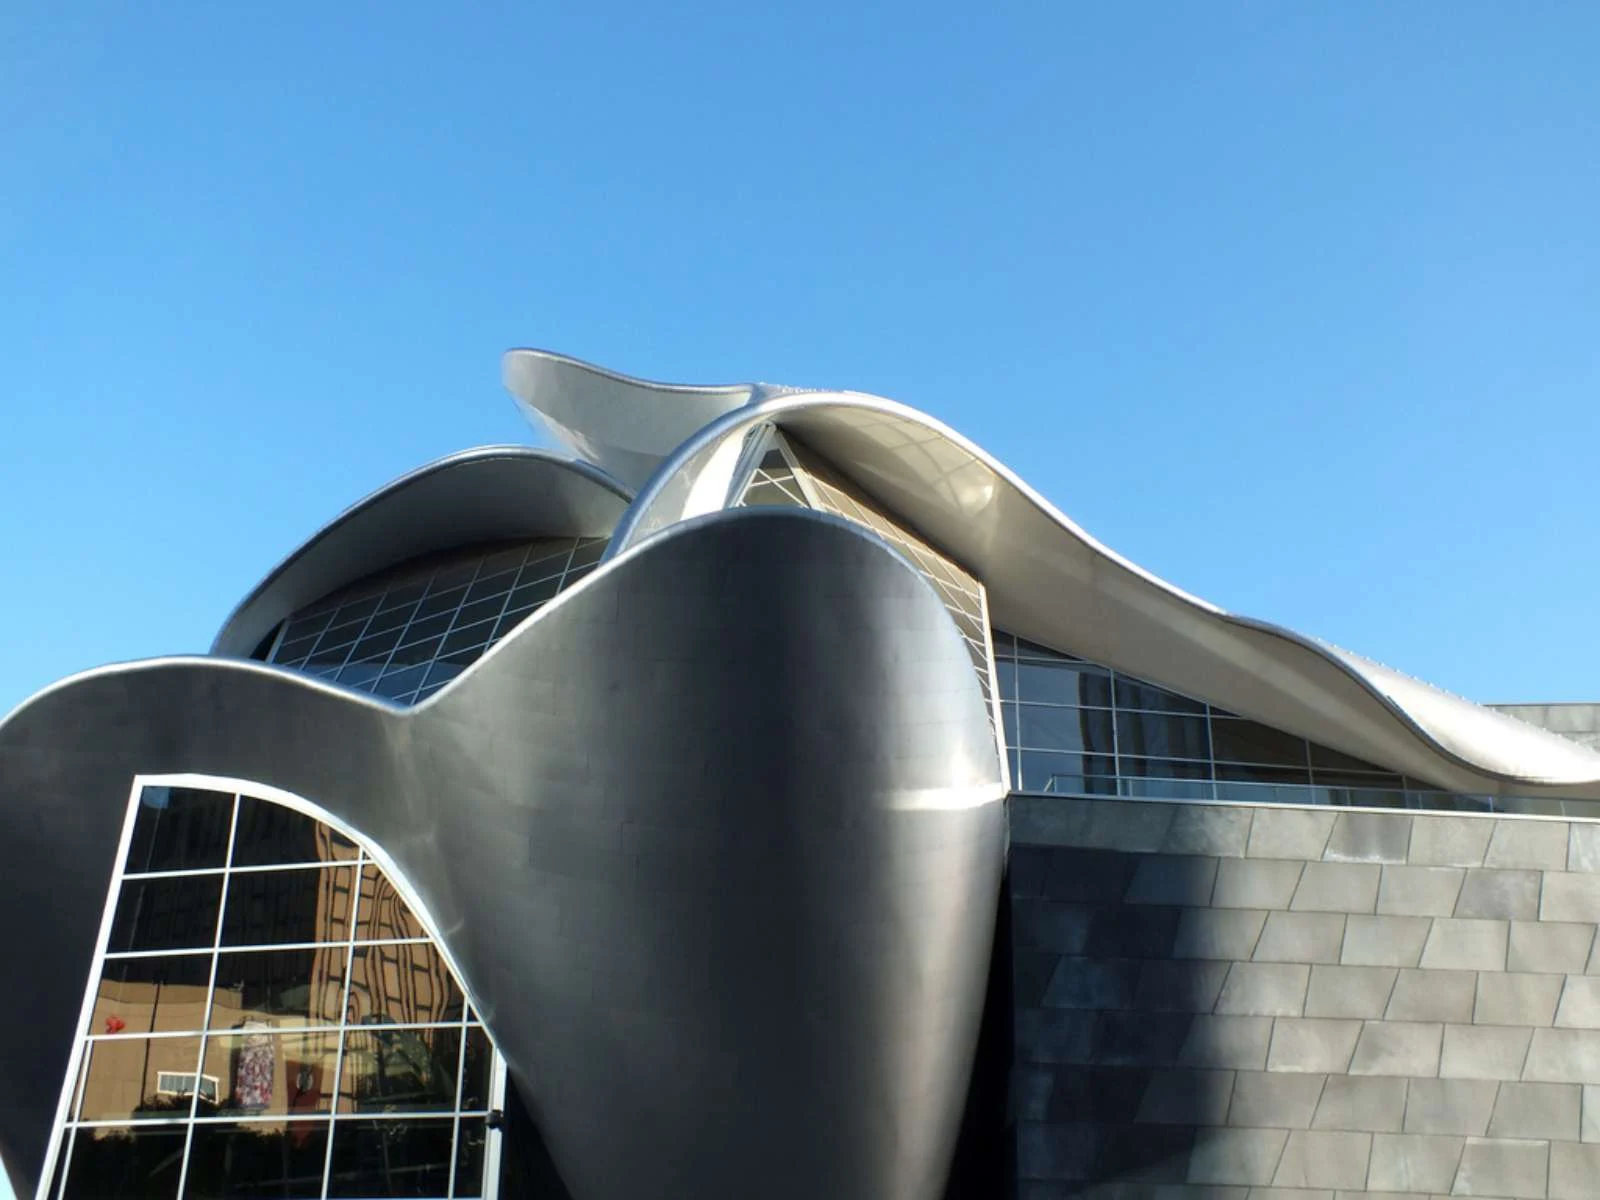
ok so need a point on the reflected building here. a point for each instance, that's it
(778, 797)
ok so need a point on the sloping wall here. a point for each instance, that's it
(1220, 1002)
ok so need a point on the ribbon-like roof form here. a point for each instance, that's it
(1048, 580)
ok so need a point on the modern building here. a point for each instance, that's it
(779, 798)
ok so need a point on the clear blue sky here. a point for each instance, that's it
(1294, 304)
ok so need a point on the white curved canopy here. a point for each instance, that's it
(1051, 582)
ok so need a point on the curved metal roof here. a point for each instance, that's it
(1052, 582)
(487, 494)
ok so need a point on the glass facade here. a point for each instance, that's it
(407, 632)
(269, 1019)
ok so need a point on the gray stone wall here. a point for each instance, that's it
(1221, 1002)
(1577, 722)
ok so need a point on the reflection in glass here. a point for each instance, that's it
(270, 834)
(1068, 773)
(475, 1070)
(1158, 735)
(167, 914)
(1135, 693)
(151, 995)
(179, 829)
(268, 1158)
(263, 1073)
(139, 1077)
(272, 907)
(1063, 683)
(469, 1158)
(1044, 728)
(125, 1163)
(391, 1158)
(400, 984)
(1238, 740)
(291, 987)
(400, 1070)
(383, 913)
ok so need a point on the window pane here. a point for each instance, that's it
(1135, 693)
(268, 1158)
(1257, 774)
(1063, 683)
(1159, 736)
(1322, 756)
(391, 1158)
(1042, 772)
(167, 914)
(475, 1070)
(1042, 728)
(180, 829)
(1239, 740)
(270, 1074)
(1356, 779)
(400, 1070)
(305, 905)
(292, 987)
(139, 1077)
(1163, 768)
(469, 1158)
(125, 1163)
(383, 913)
(151, 995)
(270, 834)
(402, 984)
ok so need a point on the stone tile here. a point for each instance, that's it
(1052, 1036)
(1589, 1129)
(1215, 933)
(1537, 1110)
(1301, 937)
(1145, 1158)
(1208, 829)
(1570, 897)
(1414, 1162)
(1349, 991)
(1137, 827)
(1513, 998)
(1550, 946)
(1496, 1167)
(1227, 1042)
(1432, 996)
(1172, 879)
(1398, 1048)
(1247, 1156)
(1369, 837)
(1484, 1052)
(1031, 971)
(1133, 932)
(1030, 1091)
(1583, 846)
(1337, 887)
(1324, 1158)
(1579, 1006)
(1574, 1171)
(1450, 1106)
(1375, 1103)
(1289, 833)
(1140, 1039)
(1563, 1056)
(1166, 986)
(1073, 875)
(1092, 983)
(1047, 925)
(1256, 883)
(1449, 841)
(1535, 845)
(1384, 941)
(1312, 1045)
(1110, 1095)
(1059, 1151)
(1274, 1100)
(1289, 1193)
(1265, 989)
(1499, 895)
(1466, 945)
(1419, 891)
(1187, 1097)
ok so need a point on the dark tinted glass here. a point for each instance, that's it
(272, 907)
(1162, 768)
(475, 1070)
(1045, 728)
(1252, 773)
(1322, 756)
(1044, 772)
(1157, 735)
(180, 829)
(151, 995)
(391, 1158)
(270, 834)
(1063, 683)
(1131, 693)
(277, 1160)
(1246, 741)
(383, 913)
(125, 1163)
(167, 914)
(291, 987)
(400, 1070)
(1356, 779)
(469, 1159)
(401, 984)
(139, 1077)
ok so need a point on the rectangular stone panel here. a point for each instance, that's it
(1384, 941)
(1432, 996)
(1414, 1162)
(1497, 1167)
(1563, 1056)
(1337, 887)
(1570, 897)
(1179, 986)
(1419, 891)
(1187, 1097)
(1450, 1106)
(1375, 1103)
(1449, 841)
(1275, 1100)
(1369, 837)
(1470, 945)
(1583, 846)
(1579, 1006)
(1133, 932)
(1484, 1052)
(1218, 933)
(1256, 883)
(1321, 1158)
(1574, 1171)
(1210, 829)
(1549, 946)
(1092, 983)
(1289, 833)
(1338, 991)
(1312, 1045)
(1228, 1042)
(1048, 925)
(1536, 845)
(1499, 895)
(1236, 1156)
(1516, 999)
(1172, 879)
(1537, 1110)
(1309, 937)
(1264, 989)
(1398, 1048)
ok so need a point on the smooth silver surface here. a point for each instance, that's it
(1051, 582)
(487, 494)
(715, 839)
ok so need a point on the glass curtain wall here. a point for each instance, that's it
(269, 1019)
